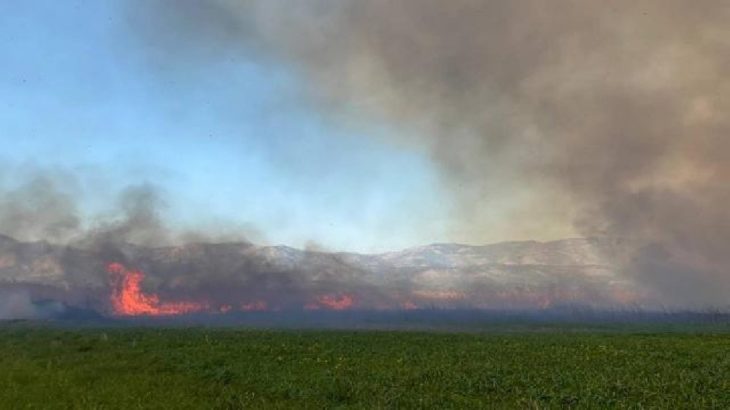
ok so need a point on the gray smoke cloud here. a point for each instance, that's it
(606, 117)
(41, 274)
(42, 206)
(17, 305)
(45, 204)
(50, 248)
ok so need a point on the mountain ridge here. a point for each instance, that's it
(441, 272)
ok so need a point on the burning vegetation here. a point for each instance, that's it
(128, 299)
(236, 279)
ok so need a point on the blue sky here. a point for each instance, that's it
(228, 142)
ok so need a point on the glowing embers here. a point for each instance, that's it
(342, 301)
(128, 299)
(256, 306)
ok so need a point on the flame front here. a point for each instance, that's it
(128, 299)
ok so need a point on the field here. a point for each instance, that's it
(50, 367)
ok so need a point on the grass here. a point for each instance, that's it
(227, 368)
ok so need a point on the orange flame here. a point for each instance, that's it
(128, 299)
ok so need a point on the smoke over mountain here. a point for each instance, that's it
(607, 118)
(130, 261)
(124, 279)
(603, 120)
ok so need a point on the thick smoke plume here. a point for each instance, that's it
(606, 120)
(609, 116)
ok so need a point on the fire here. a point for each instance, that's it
(256, 306)
(440, 295)
(128, 299)
(342, 301)
(408, 305)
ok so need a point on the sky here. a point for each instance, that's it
(229, 143)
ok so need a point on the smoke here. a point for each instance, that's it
(47, 204)
(136, 219)
(17, 304)
(606, 118)
(48, 241)
(41, 207)
(600, 119)
(184, 268)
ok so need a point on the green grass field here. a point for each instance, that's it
(226, 368)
